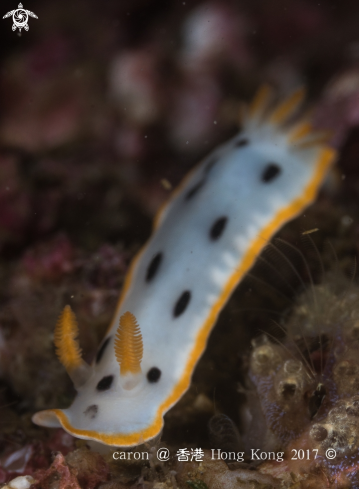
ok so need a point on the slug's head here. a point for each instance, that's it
(113, 404)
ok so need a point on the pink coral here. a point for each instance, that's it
(59, 471)
(34, 458)
(81, 469)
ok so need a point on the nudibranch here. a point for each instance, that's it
(205, 240)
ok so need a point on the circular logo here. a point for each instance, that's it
(20, 17)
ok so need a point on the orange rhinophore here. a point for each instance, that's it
(65, 338)
(68, 349)
(129, 345)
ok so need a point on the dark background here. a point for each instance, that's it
(105, 106)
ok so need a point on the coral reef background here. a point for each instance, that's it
(104, 108)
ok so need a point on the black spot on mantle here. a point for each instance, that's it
(182, 303)
(105, 383)
(241, 142)
(154, 266)
(217, 228)
(153, 375)
(271, 171)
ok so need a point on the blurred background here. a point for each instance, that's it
(105, 106)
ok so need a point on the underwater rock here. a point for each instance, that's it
(215, 474)
(307, 383)
(58, 475)
(89, 467)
